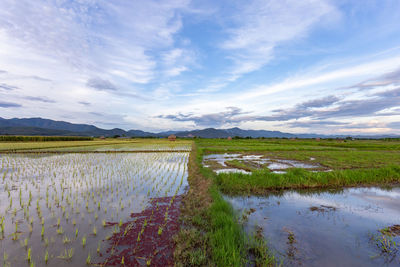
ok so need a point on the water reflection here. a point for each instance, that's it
(327, 228)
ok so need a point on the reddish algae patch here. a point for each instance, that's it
(146, 240)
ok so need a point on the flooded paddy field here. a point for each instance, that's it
(123, 145)
(245, 163)
(70, 209)
(353, 221)
(127, 147)
(349, 227)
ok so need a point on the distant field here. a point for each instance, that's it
(14, 138)
(349, 163)
(99, 145)
(241, 145)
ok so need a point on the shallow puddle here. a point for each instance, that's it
(232, 171)
(327, 228)
(275, 165)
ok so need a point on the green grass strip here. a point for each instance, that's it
(262, 180)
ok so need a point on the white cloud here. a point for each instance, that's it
(140, 59)
(262, 25)
(115, 37)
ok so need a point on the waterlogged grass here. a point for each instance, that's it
(214, 235)
(353, 163)
(342, 160)
(226, 237)
(238, 164)
(263, 180)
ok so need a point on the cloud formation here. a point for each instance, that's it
(84, 103)
(260, 26)
(7, 87)
(317, 111)
(101, 84)
(39, 99)
(209, 120)
(4, 104)
(274, 64)
(389, 78)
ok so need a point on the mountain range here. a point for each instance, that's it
(46, 127)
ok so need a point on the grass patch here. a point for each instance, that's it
(263, 180)
(211, 234)
(241, 145)
(341, 159)
(238, 165)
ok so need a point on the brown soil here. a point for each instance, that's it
(139, 241)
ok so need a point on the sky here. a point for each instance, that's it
(310, 66)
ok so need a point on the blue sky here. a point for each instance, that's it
(316, 66)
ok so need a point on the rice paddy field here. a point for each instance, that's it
(66, 208)
(313, 203)
(207, 202)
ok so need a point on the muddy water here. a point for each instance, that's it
(325, 228)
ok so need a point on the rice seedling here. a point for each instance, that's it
(67, 255)
(88, 259)
(60, 230)
(42, 232)
(29, 255)
(46, 256)
(84, 241)
(5, 258)
(2, 230)
(94, 230)
(66, 240)
(160, 230)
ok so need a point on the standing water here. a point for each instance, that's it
(352, 227)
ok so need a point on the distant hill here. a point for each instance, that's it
(233, 132)
(40, 126)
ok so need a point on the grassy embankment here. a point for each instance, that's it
(211, 235)
(353, 163)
